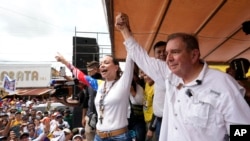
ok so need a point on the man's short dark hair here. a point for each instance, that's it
(93, 64)
(45, 112)
(24, 135)
(159, 44)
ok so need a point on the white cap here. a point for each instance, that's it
(66, 130)
(77, 135)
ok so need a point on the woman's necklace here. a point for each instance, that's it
(101, 102)
(106, 89)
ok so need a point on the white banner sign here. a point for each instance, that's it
(27, 75)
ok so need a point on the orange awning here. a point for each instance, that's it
(216, 23)
(33, 91)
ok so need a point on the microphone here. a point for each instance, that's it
(189, 93)
(179, 86)
(198, 82)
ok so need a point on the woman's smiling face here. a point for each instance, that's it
(108, 69)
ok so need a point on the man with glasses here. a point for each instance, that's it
(93, 69)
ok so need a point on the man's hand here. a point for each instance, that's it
(83, 121)
(122, 22)
(149, 134)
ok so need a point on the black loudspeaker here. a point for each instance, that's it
(81, 59)
(84, 50)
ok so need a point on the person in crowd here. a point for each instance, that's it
(238, 69)
(148, 104)
(31, 130)
(68, 134)
(200, 103)
(46, 130)
(12, 111)
(32, 114)
(53, 121)
(3, 124)
(14, 124)
(45, 113)
(86, 100)
(61, 123)
(77, 137)
(89, 96)
(93, 69)
(38, 127)
(136, 116)
(25, 122)
(25, 137)
(12, 136)
(78, 106)
(112, 98)
(49, 132)
(79, 130)
(29, 105)
(68, 117)
(159, 95)
(39, 114)
(57, 134)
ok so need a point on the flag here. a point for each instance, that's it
(8, 84)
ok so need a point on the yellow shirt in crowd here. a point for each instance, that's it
(148, 102)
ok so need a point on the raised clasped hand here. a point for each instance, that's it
(122, 21)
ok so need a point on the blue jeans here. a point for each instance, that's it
(140, 130)
(122, 137)
(158, 129)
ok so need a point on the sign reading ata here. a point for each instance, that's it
(27, 75)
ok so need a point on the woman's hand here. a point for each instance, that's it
(122, 24)
(59, 58)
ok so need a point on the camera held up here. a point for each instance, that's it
(62, 89)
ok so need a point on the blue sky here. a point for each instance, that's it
(34, 30)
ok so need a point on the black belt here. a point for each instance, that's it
(158, 118)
